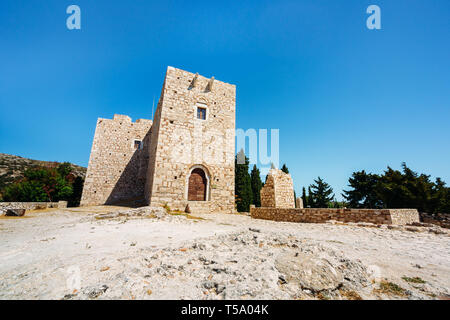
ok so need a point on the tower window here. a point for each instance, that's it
(137, 144)
(201, 113)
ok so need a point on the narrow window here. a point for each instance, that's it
(201, 113)
(137, 144)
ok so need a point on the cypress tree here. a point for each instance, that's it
(295, 199)
(310, 199)
(242, 183)
(256, 183)
(305, 201)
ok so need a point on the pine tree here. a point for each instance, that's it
(363, 193)
(305, 201)
(256, 183)
(242, 183)
(398, 189)
(322, 193)
(284, 168)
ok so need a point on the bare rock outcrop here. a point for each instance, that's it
(309, 272)
(148, 211)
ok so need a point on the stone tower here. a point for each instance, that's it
(184, 156)
(191, 150)
(118, 161)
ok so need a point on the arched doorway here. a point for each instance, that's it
(197, 185)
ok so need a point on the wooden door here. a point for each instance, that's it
(197, 185)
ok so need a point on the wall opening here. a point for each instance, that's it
(138, 144)
(198, 184)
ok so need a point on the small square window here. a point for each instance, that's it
(137, 144)
(201, 113)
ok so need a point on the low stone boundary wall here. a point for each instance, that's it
(440, 219)
(31, 205)
(321, 215)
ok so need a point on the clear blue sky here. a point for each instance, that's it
(345, 98)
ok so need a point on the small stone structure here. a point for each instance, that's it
(321, 215)
(299, 203)
(278, 190)
(182, 158)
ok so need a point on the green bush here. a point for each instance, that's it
(46, 184)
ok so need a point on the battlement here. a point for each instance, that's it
(192, 78)
(179, 82)
(126, 119)
(121, 117)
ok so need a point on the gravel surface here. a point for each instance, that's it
(110, 252)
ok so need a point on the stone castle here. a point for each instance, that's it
(185, 156)
(184, 159)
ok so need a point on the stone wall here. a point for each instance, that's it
(404, 216)
(116, 169)
(180, 142)
(440, 219)
(320, 215)
(278, 190)
(31, 205)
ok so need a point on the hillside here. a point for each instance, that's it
(12, 168)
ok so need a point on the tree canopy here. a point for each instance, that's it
(320, 194)
(398, 189)
(46, 184)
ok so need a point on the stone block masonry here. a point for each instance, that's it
(321, 215)
(277, 201)
(192, 144)
(440, 219)
(118, 161)
(278, 190)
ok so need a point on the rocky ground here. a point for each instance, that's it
(147, 253)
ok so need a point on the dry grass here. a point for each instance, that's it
(414, 280)
(14, 217)
(390, 288)
(167, 208)
(350, 295)
(181, 213)
(321, 296)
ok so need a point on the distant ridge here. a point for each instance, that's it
(12, 168)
